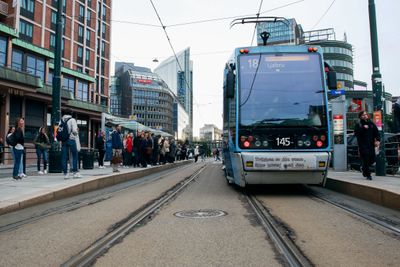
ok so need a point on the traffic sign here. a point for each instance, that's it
(337, 92)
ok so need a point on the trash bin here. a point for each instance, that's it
(55, 165)
(87, 157)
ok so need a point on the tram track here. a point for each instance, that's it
(89, 255)
(282, 242)
(360, 214)
(93, 199)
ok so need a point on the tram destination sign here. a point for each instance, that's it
(284, 162)
(337, 92)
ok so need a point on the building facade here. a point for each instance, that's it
(178, 74)
(142, 96)
(281, 32)
(27, 44)
(210, 132)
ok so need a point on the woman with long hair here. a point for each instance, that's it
(42, 144)
(19, 149)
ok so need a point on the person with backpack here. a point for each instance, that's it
(18, 149)
(67, 133)
(42, 144)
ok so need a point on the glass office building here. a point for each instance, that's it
(178, 74)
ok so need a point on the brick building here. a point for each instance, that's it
(27, 44)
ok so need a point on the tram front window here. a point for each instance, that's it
(281, 90)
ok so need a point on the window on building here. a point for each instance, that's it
(89, 2)
(25, 30)
(88, 33)
(102, 86)
(69, 84)
(53, 24)
(52, 41)
(16, 61)
(104, 12)
(103, 63)
(80, 54)
(80, 33)
(28, 8)
(50, 78)
(89, 18)
(103, 48)
(87, 58)
(81, 16)
(103, 30)
(83, 91)
(35, 66)
(3, 51)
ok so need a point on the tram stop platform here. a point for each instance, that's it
(37, 189)
(381, 190)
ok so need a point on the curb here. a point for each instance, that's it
(84, 187)
(378, 196)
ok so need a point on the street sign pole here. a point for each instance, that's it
(380, 168)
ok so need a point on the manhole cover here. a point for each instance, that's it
(200, 214)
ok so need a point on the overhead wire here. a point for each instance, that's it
(323, 15)
(255, 26)
(173, 50)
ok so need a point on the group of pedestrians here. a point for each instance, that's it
(139, 151)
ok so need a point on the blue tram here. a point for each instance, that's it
(275, 115)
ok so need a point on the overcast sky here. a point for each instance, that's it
(212, 43)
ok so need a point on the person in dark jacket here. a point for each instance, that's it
(117, 147)
(19, 148)
(101, 147)
(42, 145)
(367, 138)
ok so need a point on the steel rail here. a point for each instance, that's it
(393, 229)
(99, 247)
(283, 243)
(84, 202)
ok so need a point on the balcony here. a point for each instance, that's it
(3, 9)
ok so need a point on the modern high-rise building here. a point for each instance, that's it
(143, 96)
(27, 44)
(281, 32)
(177, 72)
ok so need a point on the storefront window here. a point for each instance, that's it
(3, 51)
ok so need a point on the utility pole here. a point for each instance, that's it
(55, 153)
(56, 95)
(380, 168)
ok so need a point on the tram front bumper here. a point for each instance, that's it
(285, 168)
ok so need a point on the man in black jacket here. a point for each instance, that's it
(367, 138)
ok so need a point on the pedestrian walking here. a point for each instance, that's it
(18, 149)
(101, 147)
(117, 147)
(196, 153)
(69, 143)
(217, 154)
(42, 144)
(368, 139)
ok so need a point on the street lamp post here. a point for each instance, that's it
(380, 168)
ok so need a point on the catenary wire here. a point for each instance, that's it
(255, 26)
(323, 15)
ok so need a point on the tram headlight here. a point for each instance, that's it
(246, 144)
(300, 143)
(320, 143)
(257, 143)
(307, 143)
(265, 143)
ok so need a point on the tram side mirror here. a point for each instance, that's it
(331, 80)
(230, 85)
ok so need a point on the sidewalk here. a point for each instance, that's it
(382, 190)
(37, 189)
